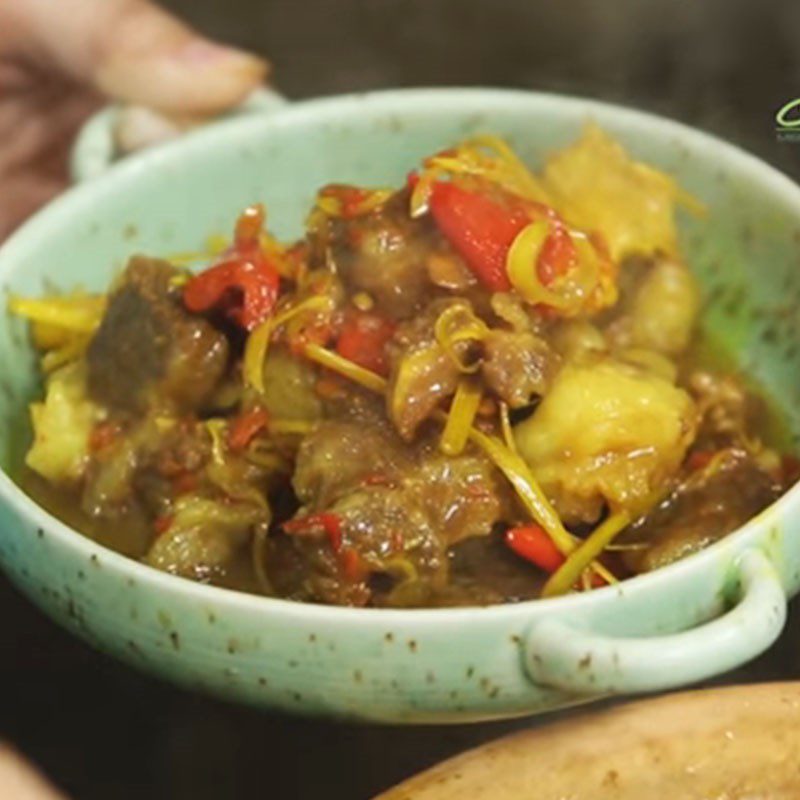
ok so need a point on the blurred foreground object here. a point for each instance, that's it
(734, 743)
(19, 781)
(58, 62)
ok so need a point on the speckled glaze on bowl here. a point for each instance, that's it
(702, 616)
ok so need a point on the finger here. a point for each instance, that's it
(19, 781)
(134, 51)
(37, 124)
(25, 194)
(138, 127)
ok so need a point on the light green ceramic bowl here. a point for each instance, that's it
(700, 617)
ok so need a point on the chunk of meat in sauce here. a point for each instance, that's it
(517, 366)
(204, 537)
(340, 455)
(149, 351)
(384, 253)
(141, 467)
(464, 495)
(400, 526)
(703, 510)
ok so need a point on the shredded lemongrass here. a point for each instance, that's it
(255, 350)
(527, 487)
(568, 293)
(255, 354)
(564, 578)
(349, 369)
(492, 159)
(215, 428)
(73, 314)
(72, 350)
(290, 426)
(462, 412)
(399, 565)
(505, 427)
(333, 204)
(458, 323)
(521, 265)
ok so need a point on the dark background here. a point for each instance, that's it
(102, 731)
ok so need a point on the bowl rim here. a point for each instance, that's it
(329, 110)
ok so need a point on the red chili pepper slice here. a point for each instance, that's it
(253, 279)
(318, 332)
(246, 427)
(377, 479)
(245, 284)
(363, 340)
(699, 459)
(330, 523)
(532, 543)
(482, 229)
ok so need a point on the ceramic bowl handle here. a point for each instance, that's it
(568, 658)
(93, 151)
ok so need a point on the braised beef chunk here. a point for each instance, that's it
(340, 455)
(398, 506)
(517, 366)
(384, 254)
(389, 529)
(138, 469)
(148, 350)
(204, 536)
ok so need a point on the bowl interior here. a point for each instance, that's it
(745, 252)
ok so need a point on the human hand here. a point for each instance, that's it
(20, 781)
(59, 58)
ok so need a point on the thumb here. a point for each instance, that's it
(133, 51)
